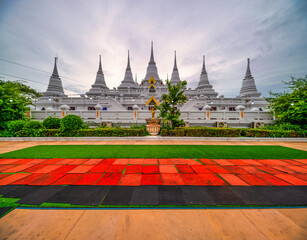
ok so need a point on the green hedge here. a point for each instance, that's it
(98, 132)
(230, 132)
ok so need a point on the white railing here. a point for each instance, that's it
(141, 116)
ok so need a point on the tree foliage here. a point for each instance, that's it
(14, 97)
(168, 107)
(290, 106)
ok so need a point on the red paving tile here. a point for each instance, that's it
(236, 169)
(23, 161)
(88, 179)
(166, 161)
(237, 162)
(291, 179)
(274, 181)
(68, 179)
(109, 179)
(298, 169)
(65, 161)
(201, 169)
(34, 168)
(292, 162)
(4, 167)
(64, 169)
(167, 169)
(172, 179)
(192, 179)
(150, 169)
(136, 161)
(284, 169)
(36, 161)
(8, 161)
(93, 161)
(302, 176)
(47, 179)
(273, 162)
(233, 179)
(178, 161)
(130, 180)
(252, 180)
(192, 162)
(27, 180)
(207, 161)
(100, 168)
(52, 161)
(304, 161)
(212, 180)
(4, 175)
(252, 162)
(12, 178)
(121, 161)
(184, 169)
(217, 169)
(149, 161)
(151, 179)
(18, 168)
(252, 169)
(78, 161)
(47, 169)
(134, 169)
(81, 169)
(223, 162)
(116, 169)
(269, 170)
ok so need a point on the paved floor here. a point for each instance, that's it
(155, 224)
(151, 171)
(12, 145)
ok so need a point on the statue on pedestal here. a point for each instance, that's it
(152, 112)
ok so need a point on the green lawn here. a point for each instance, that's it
(157, 151)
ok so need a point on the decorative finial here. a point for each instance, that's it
(152, 60)
(204, 66)
(128, 64)
(175, 62)
(100, 68)
(136, 79)
(55, 69)
(248, 70)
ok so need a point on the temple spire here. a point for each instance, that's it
(128, 63)
(152, 60)
(204, 66)
(248, 70)
(175, 62)
(136, 78)
(100, 68)
(55, 69)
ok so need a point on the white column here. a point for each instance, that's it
(64, 109)
(98, 108)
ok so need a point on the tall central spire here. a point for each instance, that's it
(128, 81)
(152, 59)
(204, 66)
(128, 63)
(152, 70)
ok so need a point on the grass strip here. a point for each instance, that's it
(158, 151)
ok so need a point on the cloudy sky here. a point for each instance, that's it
(272, 33)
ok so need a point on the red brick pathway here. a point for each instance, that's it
(151, 171)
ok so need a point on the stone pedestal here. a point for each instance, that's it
(153, 126)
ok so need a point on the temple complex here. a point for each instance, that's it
(116, 104)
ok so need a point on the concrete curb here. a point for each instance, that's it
(153, 138)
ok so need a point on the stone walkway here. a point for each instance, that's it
(171, 224)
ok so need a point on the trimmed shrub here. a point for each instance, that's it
(33, 125)
(71, 123)
(96, 132)
(231, 132)
(15, 126)
(52, 123)
(29, 133)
